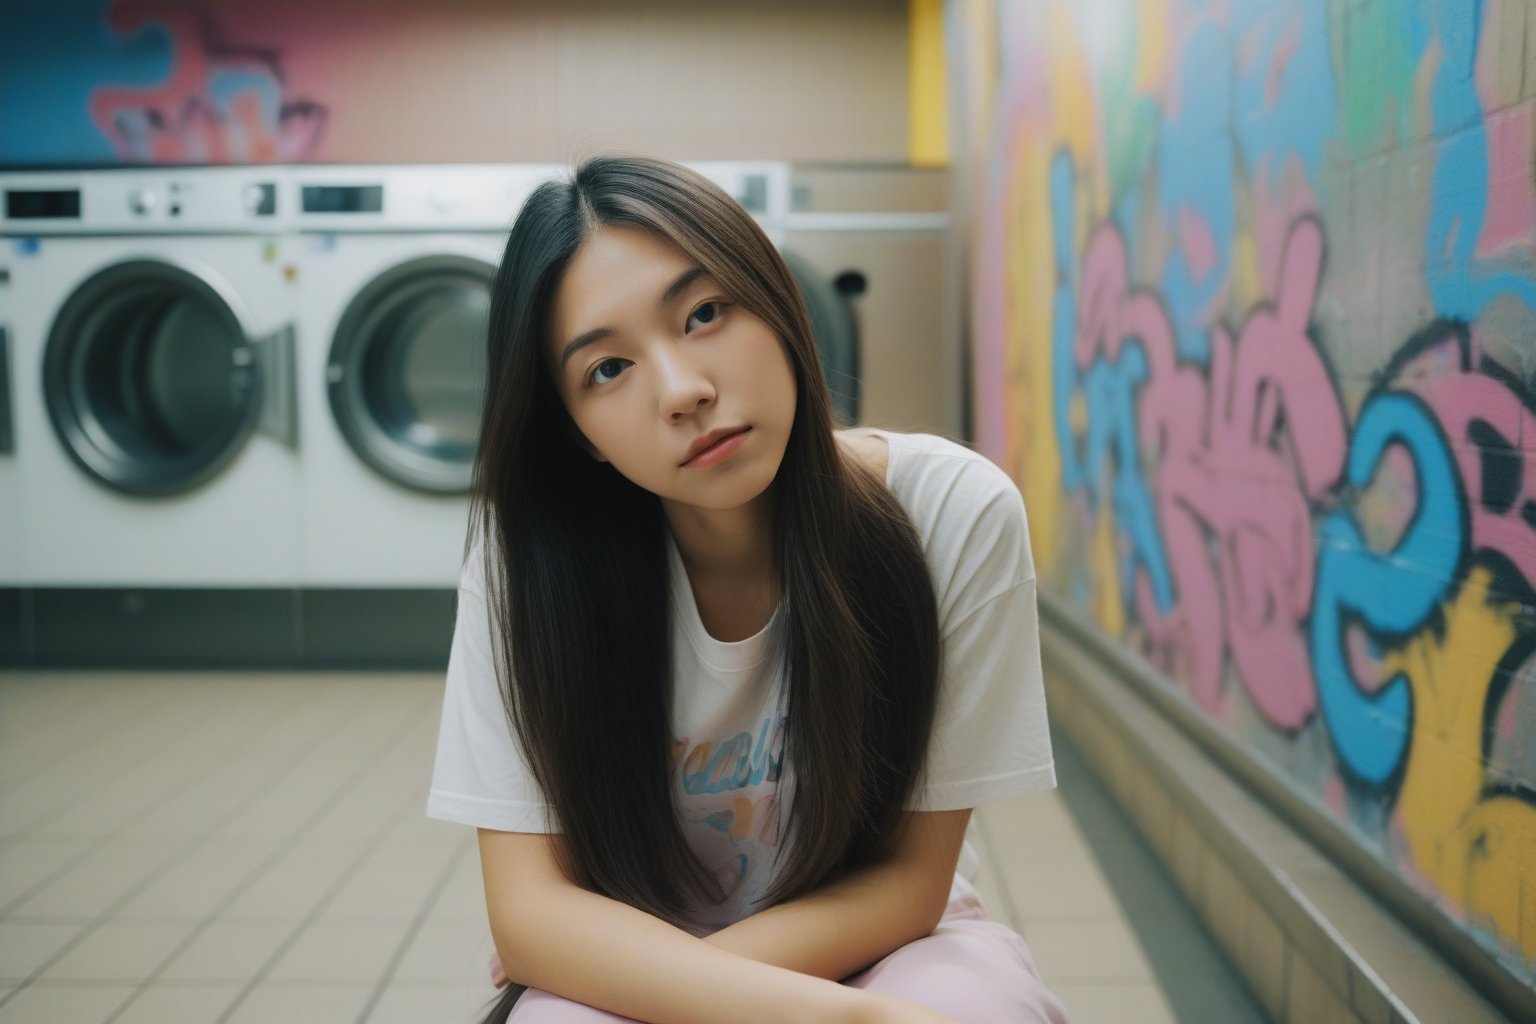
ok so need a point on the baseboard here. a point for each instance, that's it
(225, 628)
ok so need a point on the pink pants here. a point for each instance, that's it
(971, 969)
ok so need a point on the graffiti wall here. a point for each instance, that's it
(97, 83)
(1254, 309)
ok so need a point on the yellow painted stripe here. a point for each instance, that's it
(927, 85)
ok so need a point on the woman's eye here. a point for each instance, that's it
(706, 314)
(597, 376)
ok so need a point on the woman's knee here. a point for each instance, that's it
(975, 972)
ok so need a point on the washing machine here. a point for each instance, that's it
(152, 449)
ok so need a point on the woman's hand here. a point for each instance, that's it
(498, 976)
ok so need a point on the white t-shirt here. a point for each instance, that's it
(989, 739)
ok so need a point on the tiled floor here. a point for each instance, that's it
(233, 848)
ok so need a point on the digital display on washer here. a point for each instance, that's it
(342, 199)
(42, 204)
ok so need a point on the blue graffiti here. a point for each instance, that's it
(225, 87)
(1391, 594)
(1064, 317)
(1195, 166)
(1459, 186)
(1277, 118)
(1111, 399)
(52, 57)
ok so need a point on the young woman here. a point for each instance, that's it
(725, 682)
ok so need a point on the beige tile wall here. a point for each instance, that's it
(517, 80)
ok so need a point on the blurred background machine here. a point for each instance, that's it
(878, 234)
(150, 494)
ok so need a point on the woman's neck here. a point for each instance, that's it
(728, 546)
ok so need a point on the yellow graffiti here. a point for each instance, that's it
(1104, 562)
(1033, 456)
(1035, 461)
(1247, 288)
(1152, 45)
(1476, 849)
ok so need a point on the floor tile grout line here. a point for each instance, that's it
(314, 913)
(127, 897)
(438, 888)
(251, 741)
(7, 785)
(198, 719)
(54, 713)
(217, 705)
(42, 684)
(365, 764)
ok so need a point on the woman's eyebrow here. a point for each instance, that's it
(684, 279)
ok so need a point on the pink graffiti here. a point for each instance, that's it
(181, 120)
(1280, 197)
(1198, 242)
(1240, 450)
(1459, 383)
(1511, 219)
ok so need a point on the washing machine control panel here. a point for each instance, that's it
(140, 201)
(415, 198)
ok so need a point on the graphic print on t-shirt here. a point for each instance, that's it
(726, 793)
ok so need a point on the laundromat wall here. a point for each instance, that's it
(1254, 301)
(295, 554)
(386, 81)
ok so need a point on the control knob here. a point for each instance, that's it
(143, 201)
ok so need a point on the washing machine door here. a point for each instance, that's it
(407, 371)
(152, 380)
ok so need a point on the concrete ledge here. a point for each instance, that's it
(1309, 939)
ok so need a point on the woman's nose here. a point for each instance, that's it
(683, 381)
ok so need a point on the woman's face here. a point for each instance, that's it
(650, 356)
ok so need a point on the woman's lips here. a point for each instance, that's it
(719, 451)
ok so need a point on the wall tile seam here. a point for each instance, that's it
(1283, 901)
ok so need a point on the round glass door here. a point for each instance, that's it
(149, 378)
(407, 371)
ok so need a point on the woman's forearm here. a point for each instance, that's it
(604, 953)
(841, 928)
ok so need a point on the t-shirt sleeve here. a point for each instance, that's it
(480, 776)
(990, 738)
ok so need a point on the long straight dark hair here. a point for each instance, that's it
(576, 576)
